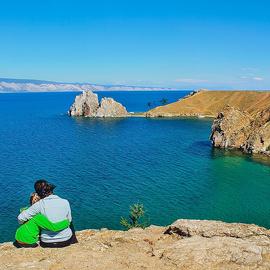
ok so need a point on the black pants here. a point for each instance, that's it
(21, 245)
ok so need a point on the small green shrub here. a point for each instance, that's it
(136, 218)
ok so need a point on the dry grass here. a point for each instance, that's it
(210, 103)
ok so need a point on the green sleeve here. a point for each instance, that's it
(46, 224)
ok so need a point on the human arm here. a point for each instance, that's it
(44, 223)
(29, 213)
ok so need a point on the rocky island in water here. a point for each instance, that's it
(87, 105)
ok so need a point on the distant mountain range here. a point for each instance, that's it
(8, 85)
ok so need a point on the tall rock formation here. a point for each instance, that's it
(233, 128)
(87, 105)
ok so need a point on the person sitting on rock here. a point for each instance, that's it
(27, 235)
(55, 209)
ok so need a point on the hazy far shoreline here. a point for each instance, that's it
(8, 85)
(116, 90)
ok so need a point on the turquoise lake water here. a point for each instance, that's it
(103, 165)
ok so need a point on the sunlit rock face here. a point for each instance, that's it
(87, 105)
(233, 128)
(111, 108)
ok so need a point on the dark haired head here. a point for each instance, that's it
(34, 198)
(43, 188)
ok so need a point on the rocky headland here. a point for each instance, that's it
(204, 103)
(87, 105)
(186, 244)
(248, 132)
(242, 118)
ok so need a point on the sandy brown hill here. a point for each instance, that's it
(186, 244)
(210, 103)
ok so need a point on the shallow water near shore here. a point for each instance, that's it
(103, 165)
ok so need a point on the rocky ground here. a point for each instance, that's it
(186, 244)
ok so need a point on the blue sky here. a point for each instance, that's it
(181, 44)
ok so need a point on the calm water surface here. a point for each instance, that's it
(103, 165)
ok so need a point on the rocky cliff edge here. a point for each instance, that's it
(186, 244)
(233, 128)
